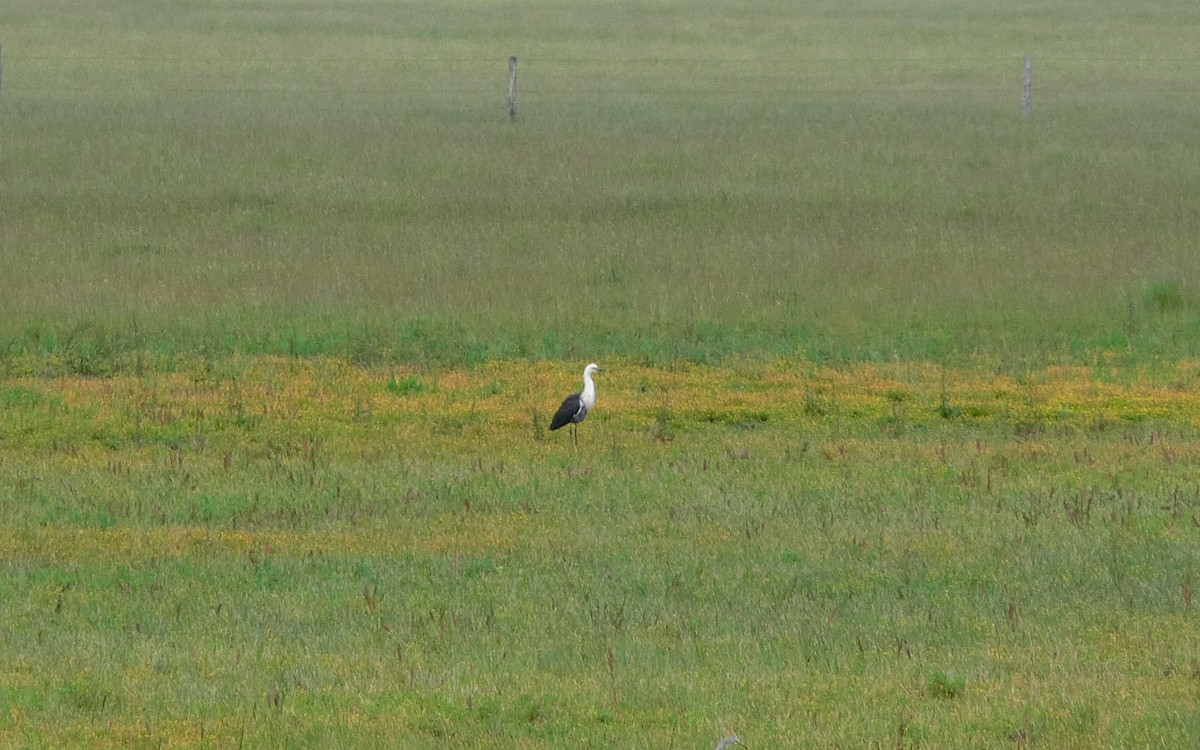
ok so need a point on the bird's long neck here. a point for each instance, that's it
(589, 391)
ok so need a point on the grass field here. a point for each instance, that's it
(897, 443)
(686, 180)
(292, 553)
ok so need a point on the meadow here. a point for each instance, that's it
(896, 445)
(302, 553)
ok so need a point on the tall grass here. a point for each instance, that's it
(683, 182)
(285, 553)
(812, 542)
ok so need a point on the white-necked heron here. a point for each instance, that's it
(576, 406)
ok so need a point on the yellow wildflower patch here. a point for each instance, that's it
(281, 401)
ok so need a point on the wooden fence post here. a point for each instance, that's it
(512, 88)
(1027, 90)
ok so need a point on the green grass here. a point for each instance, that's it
(965, 587)
(694, 182)
(734, 206)
(297, 553)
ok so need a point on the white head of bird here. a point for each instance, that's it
(589, 386)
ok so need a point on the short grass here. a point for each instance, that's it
(686, 180)
(289, 553)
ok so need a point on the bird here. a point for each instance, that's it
(576, 406)
(730, 740)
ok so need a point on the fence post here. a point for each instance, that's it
(512, 88)
(1027, 90)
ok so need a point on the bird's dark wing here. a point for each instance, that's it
(566, 413)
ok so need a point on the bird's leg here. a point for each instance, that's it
(575, 433)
